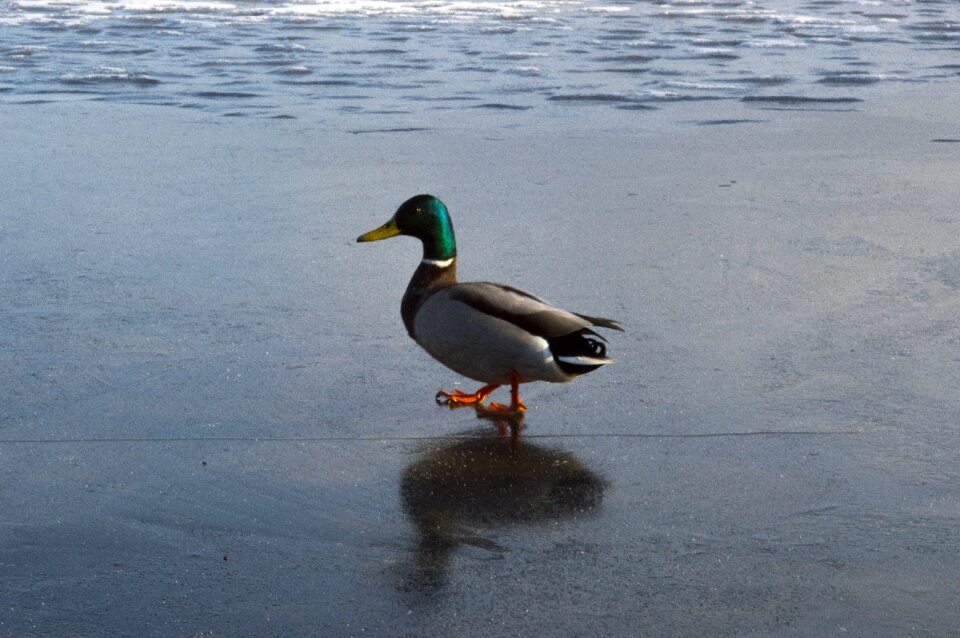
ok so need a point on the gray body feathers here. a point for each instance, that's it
(485, 331)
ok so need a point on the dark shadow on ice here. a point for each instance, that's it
(459, 488)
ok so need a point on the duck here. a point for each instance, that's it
(492, 333)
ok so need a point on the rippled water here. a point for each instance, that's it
(297, 58)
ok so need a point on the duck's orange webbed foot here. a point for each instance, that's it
(459, 399)
(499, 409)
(516, 405)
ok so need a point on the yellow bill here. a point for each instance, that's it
(386, 231)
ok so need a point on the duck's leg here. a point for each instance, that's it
(458, 398)
(516, 405)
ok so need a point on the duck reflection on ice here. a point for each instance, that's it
(487, 481)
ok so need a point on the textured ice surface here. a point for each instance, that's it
(212, 421)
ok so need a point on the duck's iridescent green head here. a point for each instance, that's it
(426, 218)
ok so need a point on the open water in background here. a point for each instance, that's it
(406, 60)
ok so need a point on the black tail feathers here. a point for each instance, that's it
(579, 352)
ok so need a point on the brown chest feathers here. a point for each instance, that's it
(427, 279)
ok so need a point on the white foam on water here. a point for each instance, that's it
(703, 86)
(96, 7)
(713, 50)
(803, 20)
(161, 6)
(297, 69)
(462, 9)
(521, 55)
(774, 43)
(609, 9)
(108, 75)
(525, 70)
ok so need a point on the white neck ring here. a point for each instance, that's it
(439, 263)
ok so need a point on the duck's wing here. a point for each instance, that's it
(486, 331)
(528, 312)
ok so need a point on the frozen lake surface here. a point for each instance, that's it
(213, 421)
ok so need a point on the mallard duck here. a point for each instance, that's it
(492, 333)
